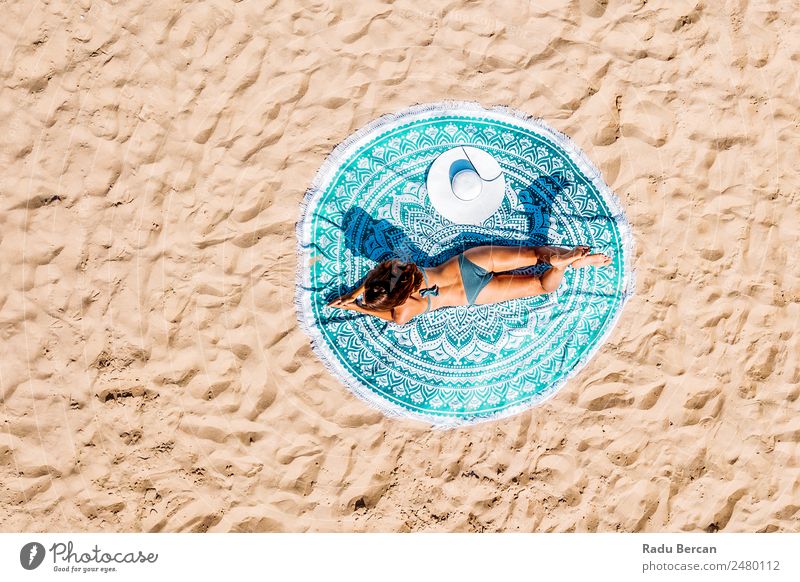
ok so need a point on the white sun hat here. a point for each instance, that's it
(466, 185)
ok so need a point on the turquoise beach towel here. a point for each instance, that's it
(466, 364)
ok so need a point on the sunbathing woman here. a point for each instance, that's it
(399, 291)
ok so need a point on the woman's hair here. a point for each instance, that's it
(390, 283)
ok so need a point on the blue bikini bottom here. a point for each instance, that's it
(475, 278)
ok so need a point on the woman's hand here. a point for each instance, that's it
(350, 304)
(341, 303)
(347, 299)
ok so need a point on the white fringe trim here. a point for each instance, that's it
(345, 149)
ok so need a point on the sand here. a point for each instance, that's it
(152, 373)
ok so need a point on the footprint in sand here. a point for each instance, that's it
(593, 8)
(646, 121)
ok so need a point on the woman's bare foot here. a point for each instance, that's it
(596, 260)
(569, 257)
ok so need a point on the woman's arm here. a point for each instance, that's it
(347, 298)
(348, 301)
(387, 315)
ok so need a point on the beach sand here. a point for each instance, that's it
(153, 376)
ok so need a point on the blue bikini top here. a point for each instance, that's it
(428, 291)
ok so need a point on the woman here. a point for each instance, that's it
(399, 291)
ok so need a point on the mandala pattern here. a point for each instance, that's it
(464, 364)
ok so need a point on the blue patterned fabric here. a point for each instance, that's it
(465, 364)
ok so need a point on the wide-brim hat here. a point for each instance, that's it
(466, 185)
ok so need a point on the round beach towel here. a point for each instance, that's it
(466, 364)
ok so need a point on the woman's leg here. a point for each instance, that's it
(552, 278)
(506, 258)
(506, 286)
